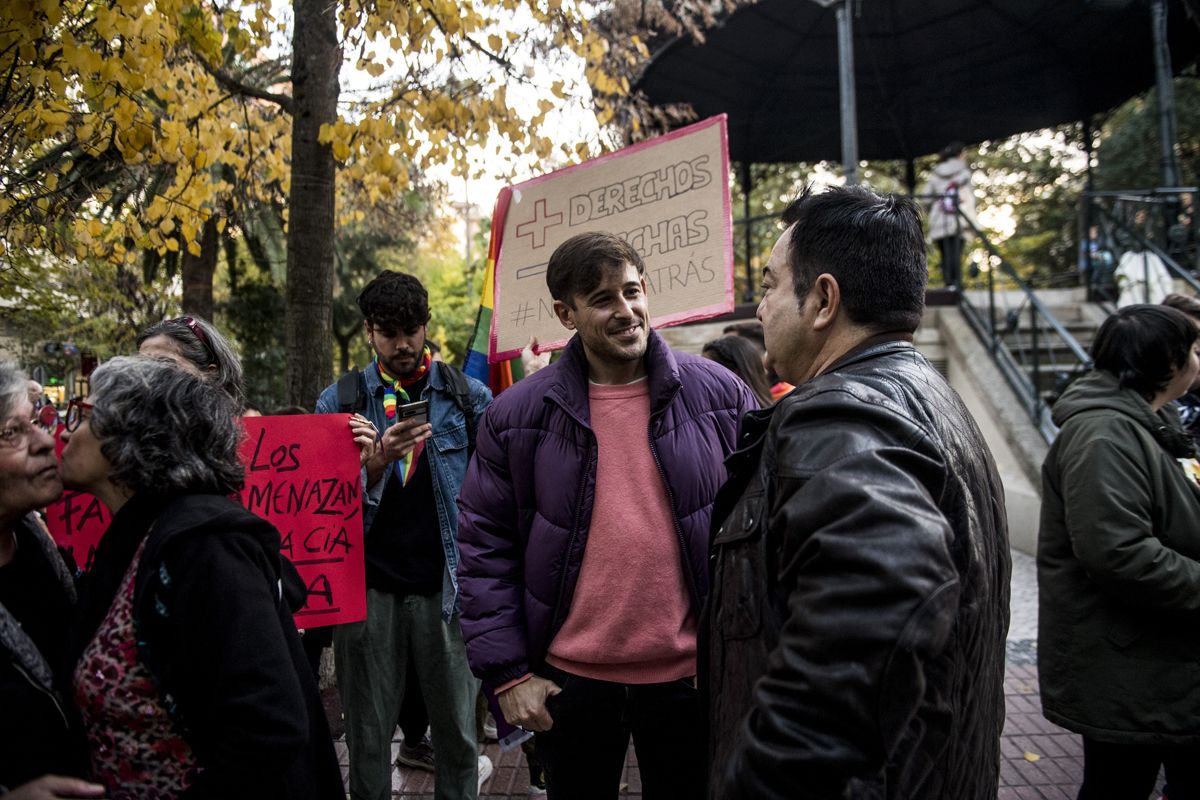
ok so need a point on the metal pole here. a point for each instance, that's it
(748, 293)
(1035, 378)
(992, 307)
(1086, 238)
(846, 89)
(1165, 93)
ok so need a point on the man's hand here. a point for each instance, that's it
(525, 704)
(531, 359)
(397, 442)
(400, 439)
(365, 436)
(55, 787)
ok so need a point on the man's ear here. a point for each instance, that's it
(828, 296)
(566, 314)
(367, 328)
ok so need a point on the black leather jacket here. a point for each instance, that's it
(854, 641)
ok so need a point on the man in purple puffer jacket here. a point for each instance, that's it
(583, 535)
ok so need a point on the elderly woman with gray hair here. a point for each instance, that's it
(198, 347)
(185, 663)
(36, 593)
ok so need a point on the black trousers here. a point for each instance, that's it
(950, 248)
(1129, 771)
(584, 753)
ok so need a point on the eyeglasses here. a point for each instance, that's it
(16, 437)
(200, 335)
(75, 410)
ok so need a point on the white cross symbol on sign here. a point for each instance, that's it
(536, 227)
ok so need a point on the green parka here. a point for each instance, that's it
(1119, 570)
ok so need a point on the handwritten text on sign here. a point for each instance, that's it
(302, 475)
(77, 520)
(668, 198)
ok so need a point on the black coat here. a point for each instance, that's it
(854, 641)
(219, 640)
(36, 735)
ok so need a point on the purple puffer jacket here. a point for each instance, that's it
(527, 499)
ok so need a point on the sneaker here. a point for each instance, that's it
(485, 770)
(490, 735)
(537, 781)
(418, 756)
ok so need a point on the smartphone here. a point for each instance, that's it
(418, 410)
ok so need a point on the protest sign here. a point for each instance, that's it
(668, 197)
(77, 520)
(302, 475)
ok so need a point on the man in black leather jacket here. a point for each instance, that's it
(854, 639)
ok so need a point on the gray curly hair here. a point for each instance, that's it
(164, 429)
(209, 351)
(13, 386)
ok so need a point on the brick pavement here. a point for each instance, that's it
(1040, 760)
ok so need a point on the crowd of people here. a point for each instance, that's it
(780, 569)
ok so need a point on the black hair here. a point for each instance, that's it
(395, 302)
(872, 245)
(1186, 303)
(739, 355)
(1143, 345)
(577, 266)
(952, 150)
(288, 411)
(750, 329)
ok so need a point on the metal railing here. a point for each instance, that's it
(1034, 351)
(1135, 243)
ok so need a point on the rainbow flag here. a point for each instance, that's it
(504, 374)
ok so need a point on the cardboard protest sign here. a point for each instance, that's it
(302, 475)
(77, 520)
(668, 197)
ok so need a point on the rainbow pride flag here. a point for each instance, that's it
(505, 373)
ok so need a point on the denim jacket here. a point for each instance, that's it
(446, 451)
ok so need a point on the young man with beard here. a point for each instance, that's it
(412, 471)
(860, 565)
(584, 531)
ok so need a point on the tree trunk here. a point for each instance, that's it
(343, 344)
(197, 273)
(316, 59)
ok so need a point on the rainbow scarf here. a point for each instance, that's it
(394, 389)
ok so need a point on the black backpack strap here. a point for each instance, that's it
(350, 394)
(457, 383)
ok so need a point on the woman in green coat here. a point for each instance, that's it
(1119, 561)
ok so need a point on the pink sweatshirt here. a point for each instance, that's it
(630, 619)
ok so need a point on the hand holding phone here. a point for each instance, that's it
(418, 410)
(411, 426)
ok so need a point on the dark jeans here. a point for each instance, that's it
(413, 719)
(951, 248)
(584, 753)
(1120, 771)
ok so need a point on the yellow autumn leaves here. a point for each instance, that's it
(129, 124)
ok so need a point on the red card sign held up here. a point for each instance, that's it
(302, 475)
(77, 520)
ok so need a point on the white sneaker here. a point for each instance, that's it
(490, 735)
(485, 770)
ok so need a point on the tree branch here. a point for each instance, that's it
(231, 84)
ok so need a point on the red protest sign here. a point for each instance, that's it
(302, 475)
(77, 520)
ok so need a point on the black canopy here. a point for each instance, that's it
(927, 71)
